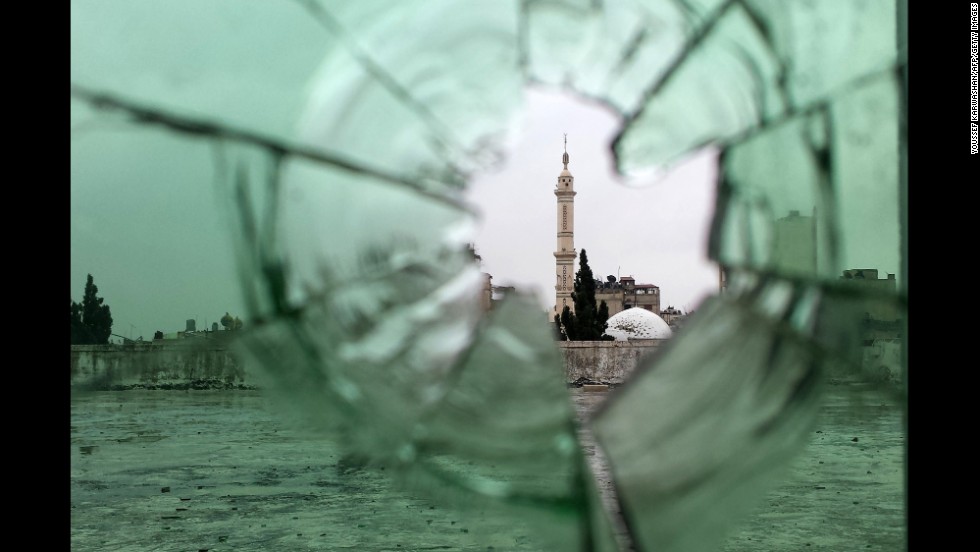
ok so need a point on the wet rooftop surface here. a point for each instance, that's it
(221, 470)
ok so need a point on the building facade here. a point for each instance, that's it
(670, 314)
(794, 248)
(626, 294)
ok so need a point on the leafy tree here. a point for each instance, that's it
(231, 322)
(588, 322)
(91, 321)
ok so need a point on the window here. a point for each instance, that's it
(803, 99)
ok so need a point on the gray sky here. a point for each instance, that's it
(146, 220)
(149, 230)
(655, 229)
(145, 217)
(154, 236)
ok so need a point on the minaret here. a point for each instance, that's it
(565, 252)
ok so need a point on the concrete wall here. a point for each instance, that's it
(178, 364)
(882, 361)
(189, 364)
(604, 361)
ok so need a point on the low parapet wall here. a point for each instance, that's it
(882, 361)
(186, 365)
(156, 365)
(604, 361)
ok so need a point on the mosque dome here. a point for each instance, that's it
(637, 323)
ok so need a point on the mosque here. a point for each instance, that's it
(634, 309)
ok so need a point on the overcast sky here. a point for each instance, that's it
(652, 229)
(149, 230)
(154, 237)
(145, 216)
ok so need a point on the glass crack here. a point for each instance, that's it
(212, 130)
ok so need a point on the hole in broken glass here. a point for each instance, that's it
(356, 254)
(651, 226)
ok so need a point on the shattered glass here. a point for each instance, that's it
(340, 136)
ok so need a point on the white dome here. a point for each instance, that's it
(637, 323)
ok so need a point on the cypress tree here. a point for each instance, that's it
(583, 296)
(601, 318)
(91, 320)
(588, 322)
(568, 323)
(559, 334)
(79, 333)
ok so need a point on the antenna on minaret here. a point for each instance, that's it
(564, 157)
